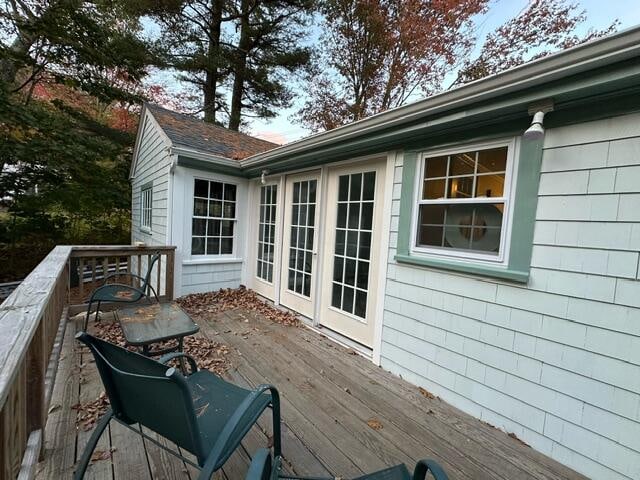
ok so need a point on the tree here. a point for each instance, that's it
(64, 178)
(70, 83)
(377, 54)
(268, 49)
(84, 44)
(543, 27)
(197, 50)
(242, 49)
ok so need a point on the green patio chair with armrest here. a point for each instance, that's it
(265, 467)
(121, 292)
(200, 412)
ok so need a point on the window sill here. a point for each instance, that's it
(212, 261)
(146, 230)
(475, 269)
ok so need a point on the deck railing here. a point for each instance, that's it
(32, 323)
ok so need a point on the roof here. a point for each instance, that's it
(188, 131)
(567, 64)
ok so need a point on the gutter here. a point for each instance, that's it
(597, 53)
(185, 151)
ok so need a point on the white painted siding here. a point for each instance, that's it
(197, 273)
(151, 166)
(210, 277)
(557, 362)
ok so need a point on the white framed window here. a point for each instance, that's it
(463, 202)
(146, 209)
(267, 232)
(214, 217)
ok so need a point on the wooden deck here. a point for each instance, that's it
(342, 416)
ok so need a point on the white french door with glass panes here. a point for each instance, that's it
(299, 246)
(355, 198)
(265, 239)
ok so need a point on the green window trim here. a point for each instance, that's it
(524, 206)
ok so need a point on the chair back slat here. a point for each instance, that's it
(141, 392)
(147, 276)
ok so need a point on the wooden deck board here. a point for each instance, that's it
(331, 399)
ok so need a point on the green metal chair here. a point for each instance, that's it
(265, 467)
(200, 412)
(120, 292)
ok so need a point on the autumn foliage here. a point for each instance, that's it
(379, 54)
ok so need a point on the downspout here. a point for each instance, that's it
(177, 258)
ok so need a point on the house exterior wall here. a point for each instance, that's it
(198, 273)
(555, 361)
(152, 167)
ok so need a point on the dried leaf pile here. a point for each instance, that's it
(209, 355)
(204, 305)
(89, 413)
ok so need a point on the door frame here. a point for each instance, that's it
(390, 173)
(334, 317)
(252, 257)
(305, 175)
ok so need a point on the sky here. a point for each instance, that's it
(600, 14)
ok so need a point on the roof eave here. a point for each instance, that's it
(598, 53)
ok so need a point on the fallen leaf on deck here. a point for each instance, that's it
(204, 304)
(88, 413)
(102, 455)
(515, 437)
(375, 424)
(426, 393)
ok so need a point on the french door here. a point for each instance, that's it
(266, 239)
(299, 249)
(352, 241)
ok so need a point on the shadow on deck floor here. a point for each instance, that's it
(342, 416)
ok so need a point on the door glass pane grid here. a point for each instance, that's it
(352, 251)
(214, 217)
(267, 229)
(303, 207)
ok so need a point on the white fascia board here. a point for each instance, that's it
(200, 155)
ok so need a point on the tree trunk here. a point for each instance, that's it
(212, 73)
(19, 48)
(240, 68)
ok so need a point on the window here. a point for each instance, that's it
(214, 218)
(463, 197)
(146, 197)
(267, 232)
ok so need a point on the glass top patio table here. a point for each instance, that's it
(146, 325)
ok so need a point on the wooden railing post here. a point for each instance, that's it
(170, 269)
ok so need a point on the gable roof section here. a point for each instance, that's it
(190, 132)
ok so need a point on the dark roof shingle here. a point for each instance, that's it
(187, 131)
